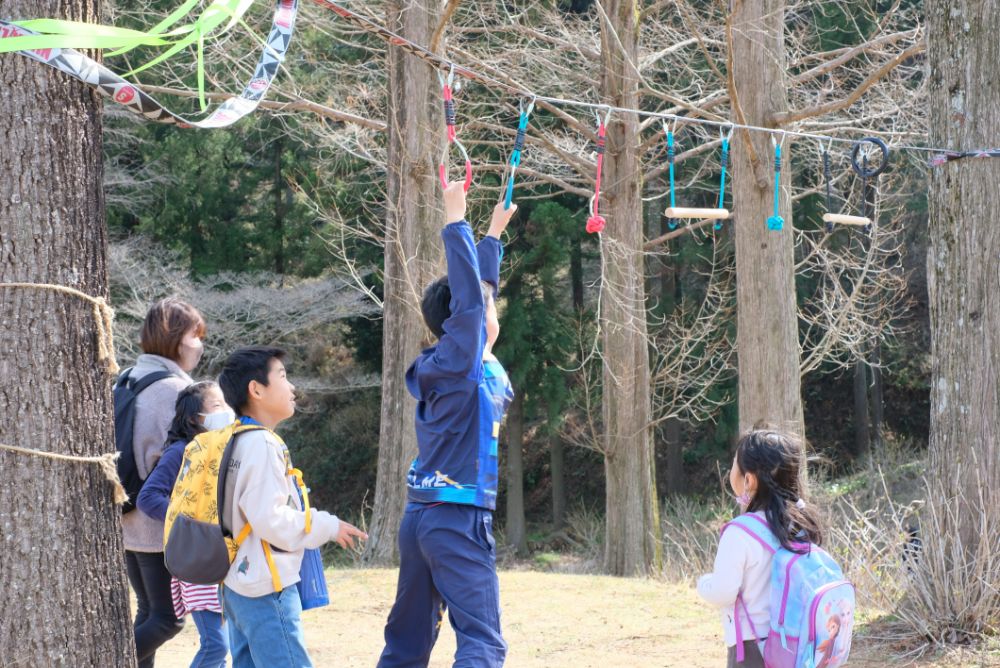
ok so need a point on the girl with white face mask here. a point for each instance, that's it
(200, 407)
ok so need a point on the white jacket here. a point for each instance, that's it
(260, 491)
(741, 564)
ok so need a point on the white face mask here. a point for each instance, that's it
(218, 419)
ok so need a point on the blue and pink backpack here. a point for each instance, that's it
(812, 605)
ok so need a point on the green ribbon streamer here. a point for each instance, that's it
(62, 34)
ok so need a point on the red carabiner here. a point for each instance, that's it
(443, 170)
(596, 222)
(449, 119)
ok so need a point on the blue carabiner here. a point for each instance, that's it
(724, 160)
(515, 156)
(776, 223)
(671, 154)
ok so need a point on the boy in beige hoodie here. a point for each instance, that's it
(260, 599)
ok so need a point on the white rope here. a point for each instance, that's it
(473, 75)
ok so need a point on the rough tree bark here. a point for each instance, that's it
(65, 596)
(632, 538)
(413, 258)
(963, 281)
(767, 320)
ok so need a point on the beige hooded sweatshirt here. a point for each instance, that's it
(261, 491)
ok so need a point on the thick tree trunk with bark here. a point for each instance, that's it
(767, 321)
(63, 565)
(963, 281)
(632, 544)
(413, 258)
(515, 531)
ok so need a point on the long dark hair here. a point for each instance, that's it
(776, 459)
(187, 423)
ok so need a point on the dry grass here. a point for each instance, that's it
(555, 620)
(569, 616)
(549, 620)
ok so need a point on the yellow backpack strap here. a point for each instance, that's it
(275, 578)
(243, 534)
(297, 474)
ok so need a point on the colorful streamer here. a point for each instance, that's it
(69, 61)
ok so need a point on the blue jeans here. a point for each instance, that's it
(266, 631)
(214, 640)
(447, 562)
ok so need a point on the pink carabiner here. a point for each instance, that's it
(443, 175)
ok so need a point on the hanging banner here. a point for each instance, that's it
(131, 96)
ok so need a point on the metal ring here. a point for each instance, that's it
(869, 173)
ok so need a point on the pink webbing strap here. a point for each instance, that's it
(740, 654)
(749, 531)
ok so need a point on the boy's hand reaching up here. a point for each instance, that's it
(348, 532)
(454, 202)
(501, 217)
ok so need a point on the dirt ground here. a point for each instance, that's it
(549, 620)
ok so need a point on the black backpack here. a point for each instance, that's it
(127, 390)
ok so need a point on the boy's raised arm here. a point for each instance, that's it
(460, 348)
(459, 351)
(490, 248)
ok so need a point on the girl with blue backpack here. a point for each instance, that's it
(783, 601)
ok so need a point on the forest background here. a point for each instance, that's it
(275, 229)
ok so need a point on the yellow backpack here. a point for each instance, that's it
(196, 547)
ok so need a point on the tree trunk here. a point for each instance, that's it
(63, 575)
(767, 320)
(279, 211)
(514, 530)
(631, 540)
(862, 433)
(675, 457)
(671, 287)
(878, 399)
(557, 464)
(413, 258)
(963, 282)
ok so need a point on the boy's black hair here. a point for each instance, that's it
(776, 458)
(241, 367)
(187, 424)
(436, 303)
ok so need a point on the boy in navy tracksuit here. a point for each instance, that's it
(446, 549)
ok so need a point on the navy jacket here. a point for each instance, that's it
(156, 491)
(461, 399)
